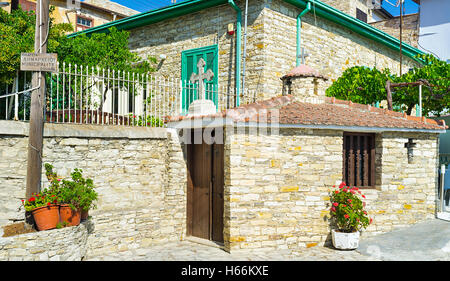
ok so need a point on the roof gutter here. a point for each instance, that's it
(153, 16)
(238, 50)
(299, 30)
(327, 12)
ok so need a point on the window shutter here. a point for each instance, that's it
(359, 159)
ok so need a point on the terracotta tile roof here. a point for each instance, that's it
(303, 71)
(333, 112)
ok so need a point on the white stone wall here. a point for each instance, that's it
(271, 44)
(277, 187)
(65, 244)
(139, 173)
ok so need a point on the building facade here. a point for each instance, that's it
(82, 15)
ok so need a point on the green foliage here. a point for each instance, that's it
(104, 50)
(368, 85)
(151, 121)
(38, 200)
(347, 209)
(17, 36)
(435, 92)
(360, 84)
(77, 192)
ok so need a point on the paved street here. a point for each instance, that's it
(424, 241)
(190, 251)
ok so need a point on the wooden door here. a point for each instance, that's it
(205, 191)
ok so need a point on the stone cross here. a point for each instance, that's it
(201, 76)
(410, 145)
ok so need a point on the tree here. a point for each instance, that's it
(360, 84)
(435, 75)
(367, 86)
(17, 36)
(102, 51)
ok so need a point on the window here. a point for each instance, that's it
(84, 21)
(359, 159)
(361, 15)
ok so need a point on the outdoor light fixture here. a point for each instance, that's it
(4, 4)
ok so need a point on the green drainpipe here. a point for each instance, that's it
(299, 29)
(238, 50)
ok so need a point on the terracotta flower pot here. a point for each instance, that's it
(84, 215)
(46, 217)
(73, 217)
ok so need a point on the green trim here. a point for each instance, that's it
(327, 12)
(299, 30)
(321, 9)
(154, 16)
(189, 97)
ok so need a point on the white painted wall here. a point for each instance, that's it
(434, 35)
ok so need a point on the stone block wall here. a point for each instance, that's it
(65, 244)
(277, 186)
(271, 44)
(332, 48)
(410, 30)
(139, 174)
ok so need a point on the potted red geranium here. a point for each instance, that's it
(348, 216)
(44, 208)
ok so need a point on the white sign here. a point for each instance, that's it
(39, 62)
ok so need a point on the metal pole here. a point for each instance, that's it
(401, 27)
(442, 187)
(420, 100)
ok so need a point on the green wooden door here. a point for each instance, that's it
(189, 60)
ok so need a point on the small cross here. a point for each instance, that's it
(201, 76)
(410, 145)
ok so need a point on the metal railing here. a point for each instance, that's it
(88, 95)
(15, 98)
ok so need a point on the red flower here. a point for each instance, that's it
(32, 199)
(342, 185)
(370, 221)
(349, 200)
(333, 209)
(48, 204)
(346, 216)
(337, 191)
(335, 204)
(363, 196)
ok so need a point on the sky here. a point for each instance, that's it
(410, 7)
(147, 5)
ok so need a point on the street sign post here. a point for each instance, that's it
(39, 62)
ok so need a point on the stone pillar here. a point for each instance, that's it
(305, 84)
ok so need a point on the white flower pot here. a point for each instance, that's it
(345, 241)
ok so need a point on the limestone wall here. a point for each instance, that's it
(65, 244)
(277, 187)
(410, 30)
(271, 44)
(139, 173)
(332, 48)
